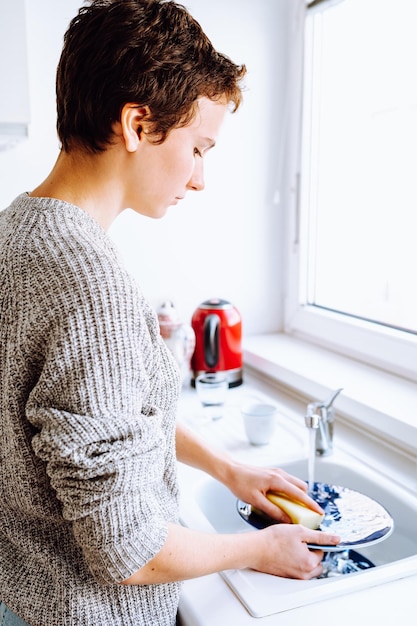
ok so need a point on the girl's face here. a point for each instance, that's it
(164, 173)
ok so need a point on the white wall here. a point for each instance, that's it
(226, 241)
(23, 167)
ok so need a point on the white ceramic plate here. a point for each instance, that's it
(356, 518)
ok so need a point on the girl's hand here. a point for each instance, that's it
(284, 552)
(251, 484)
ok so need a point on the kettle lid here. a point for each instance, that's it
(216, 303)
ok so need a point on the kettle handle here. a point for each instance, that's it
(211, 340)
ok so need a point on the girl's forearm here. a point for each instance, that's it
(193, 451)
(189, 554)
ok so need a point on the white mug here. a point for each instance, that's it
(259, 421)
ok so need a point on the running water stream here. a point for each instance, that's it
(311, 459)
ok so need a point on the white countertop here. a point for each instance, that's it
(209, 601)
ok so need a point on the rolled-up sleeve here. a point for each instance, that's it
(100, 410)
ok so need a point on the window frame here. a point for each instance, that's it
(387, 348)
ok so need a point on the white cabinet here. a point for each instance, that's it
(14, 88)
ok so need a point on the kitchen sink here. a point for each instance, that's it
(211, 507)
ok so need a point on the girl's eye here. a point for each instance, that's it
(197, 152)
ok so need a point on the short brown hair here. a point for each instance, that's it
(149, 52)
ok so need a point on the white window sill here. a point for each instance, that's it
(373, 402)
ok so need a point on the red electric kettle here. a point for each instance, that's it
(218, 340)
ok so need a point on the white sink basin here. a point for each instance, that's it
(211, 507)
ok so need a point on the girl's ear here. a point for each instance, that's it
(133, 120)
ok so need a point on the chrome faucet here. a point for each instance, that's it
(320, 416)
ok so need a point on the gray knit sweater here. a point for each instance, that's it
(88, 397)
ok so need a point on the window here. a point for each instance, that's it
(355, 257)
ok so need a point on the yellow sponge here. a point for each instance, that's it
(298, 513)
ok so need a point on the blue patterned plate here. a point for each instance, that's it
(357, 519)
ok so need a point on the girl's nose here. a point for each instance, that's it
(196, 182)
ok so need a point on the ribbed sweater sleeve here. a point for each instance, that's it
(102, 386)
